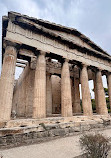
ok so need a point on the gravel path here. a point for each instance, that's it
(67, 147)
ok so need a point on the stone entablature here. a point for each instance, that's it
(48, 45)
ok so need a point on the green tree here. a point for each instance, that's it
(93, 105)
(107, 100)
(106, 91)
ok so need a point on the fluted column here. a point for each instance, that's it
(86, 98)
(49, 94)
(72, 91)
(66, 99)
(7, 82)
(101, 101)
(95, 93)
(109, 87)
(39, 105)
(76, 107)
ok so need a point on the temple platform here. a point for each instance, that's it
(28, 131)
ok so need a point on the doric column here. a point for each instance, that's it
(109, 87)
(7, 82)
(86, 98)
(72, 91)
(48, 94)
(66, 99)
(95, 93)
(39, 105)
(101, 101)
(76, 107)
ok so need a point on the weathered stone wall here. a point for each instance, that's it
(23, 93)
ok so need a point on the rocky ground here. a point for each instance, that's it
(67, 147)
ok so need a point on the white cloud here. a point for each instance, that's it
(88, 16)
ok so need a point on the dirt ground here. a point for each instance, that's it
(67, 147)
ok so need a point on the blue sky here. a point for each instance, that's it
(91, 17)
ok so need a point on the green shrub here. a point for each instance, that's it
(93, 105)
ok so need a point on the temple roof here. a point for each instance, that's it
(52, 30)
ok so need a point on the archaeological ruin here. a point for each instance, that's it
(55, 61)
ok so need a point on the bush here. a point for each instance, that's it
(95, 145)
(93, 105)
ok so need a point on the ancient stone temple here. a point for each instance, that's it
(55, 60)
(45, 100)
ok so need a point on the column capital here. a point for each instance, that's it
(96, 69)
(42, 52)
(108, 73)
(10, 43)
(10, 51)
(84, 65)
(66, 60)
(100, 69)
